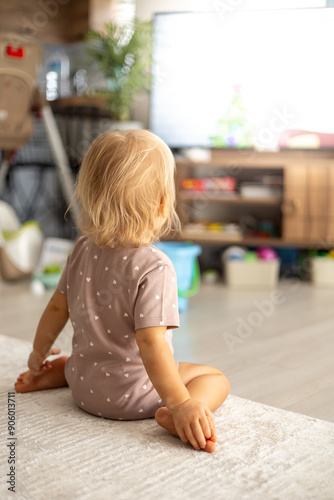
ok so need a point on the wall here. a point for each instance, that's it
(55, 21)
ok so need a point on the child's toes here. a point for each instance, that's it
(213, 437)
(20, 387)
(210, 446)
(21, 377)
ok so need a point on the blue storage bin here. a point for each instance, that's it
(184, 257)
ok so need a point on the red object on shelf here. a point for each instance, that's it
(218, 184)
(17, 52)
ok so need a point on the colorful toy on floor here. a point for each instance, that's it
(234, 252)
(210, 276)
(266, 253)
(251, 257)
(51, 264)
(184, 257)
(20, 245)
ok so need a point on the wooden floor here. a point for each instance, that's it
(276, 348)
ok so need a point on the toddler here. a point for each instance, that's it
(120, 294)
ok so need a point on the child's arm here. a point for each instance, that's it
(52, 322)
(190, 416)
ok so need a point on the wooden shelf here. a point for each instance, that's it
(231, 199)
(216, 238)
(257, 159)
(91, 101)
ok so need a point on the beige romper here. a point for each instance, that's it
(111, 293)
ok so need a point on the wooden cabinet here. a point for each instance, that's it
(317, 195)
(295, 202)
(307, 197)
(306, 209)
(330, 228)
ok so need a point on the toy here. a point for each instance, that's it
(331, 254)
(184, 256)
(213, 184)
(234, 253)
(53, 259)
(210, 276)
(20, 245)
(215, 226)
(251, 257)
(266, 253)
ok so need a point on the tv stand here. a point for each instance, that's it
(306, 209)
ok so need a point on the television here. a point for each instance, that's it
(244, 79)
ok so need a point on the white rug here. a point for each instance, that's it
(65, 453)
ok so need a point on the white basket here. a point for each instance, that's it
(259, 274)
(322, 273)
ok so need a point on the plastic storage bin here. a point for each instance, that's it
(184, 257)
(322, 272)
(259, 274)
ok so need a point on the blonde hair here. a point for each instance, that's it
(123, 179)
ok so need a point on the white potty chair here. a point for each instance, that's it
(20, 245)
(20, 60)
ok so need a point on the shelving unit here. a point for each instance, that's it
(306, 208)
(212, 238)
(232, 199)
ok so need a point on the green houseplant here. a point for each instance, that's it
(124, 56)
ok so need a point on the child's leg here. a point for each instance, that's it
(50, 379)
(205, 384)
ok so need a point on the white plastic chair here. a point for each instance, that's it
(20, 60)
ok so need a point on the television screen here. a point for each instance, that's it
(256, 79)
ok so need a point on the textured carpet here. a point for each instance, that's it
(65, 453)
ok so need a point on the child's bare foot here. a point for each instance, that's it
(164, 418)
(49, 379)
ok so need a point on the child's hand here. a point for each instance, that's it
(191, 420)
(36, 362)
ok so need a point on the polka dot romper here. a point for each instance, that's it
(111, 293)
